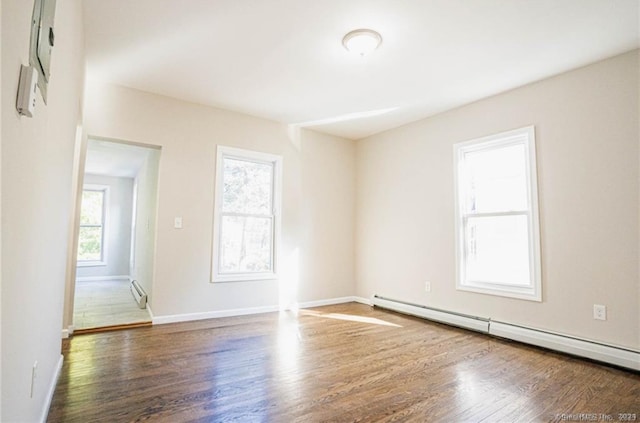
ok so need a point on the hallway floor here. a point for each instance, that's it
(105, 303)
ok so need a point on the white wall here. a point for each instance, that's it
(118, 228)
(1, 102)
(327, 213)
(37, 157)
(587, 148)
(319, 181)
(145, 227)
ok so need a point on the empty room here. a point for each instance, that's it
(306, 211)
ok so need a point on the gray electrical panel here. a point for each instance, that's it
(42, 41)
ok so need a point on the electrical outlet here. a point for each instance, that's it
(427, 286)
(34, 374)
(599, 312)
(177, 223)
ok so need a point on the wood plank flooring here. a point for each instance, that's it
(343, 363)
(105, 303)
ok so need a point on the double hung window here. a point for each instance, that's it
(247, 215)
(91, 237)
(498, 246)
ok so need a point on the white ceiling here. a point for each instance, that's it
(114, 159)
(283, 59)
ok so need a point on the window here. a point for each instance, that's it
(91, 238)
(497, 235)
(247, 215)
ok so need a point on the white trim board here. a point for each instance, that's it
(103, 278)
(363, 300)
(66, 333)
(330, 301)
(605, 353)
(50, 392)
(187, 317)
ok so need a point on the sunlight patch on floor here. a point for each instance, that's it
(349, 317)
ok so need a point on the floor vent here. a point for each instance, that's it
(610, 354)
(138, 294)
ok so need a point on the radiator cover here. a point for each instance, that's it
(138, 294)
(610, 354)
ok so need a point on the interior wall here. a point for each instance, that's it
(1, 103)
(587, 135)
(188, 134)
(118, 228)
(327, 167)
(146, 186)
(37, 159)
(77, 176)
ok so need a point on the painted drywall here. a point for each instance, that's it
(1, 102)
(77, 175)
(37, 155)
(317, 250)
(146, 188)
(117, 229)
(327, 216)
(586, 124)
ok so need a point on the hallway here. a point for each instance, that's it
(106, 303)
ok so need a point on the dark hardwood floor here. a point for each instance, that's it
(342, 363)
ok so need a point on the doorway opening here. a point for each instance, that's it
(116, 236)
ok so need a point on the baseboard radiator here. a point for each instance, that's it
(138, 294)
(618, 356)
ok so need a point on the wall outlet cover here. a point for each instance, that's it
(599, 312)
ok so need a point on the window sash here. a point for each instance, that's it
(240, 158)
(271, 219)
(466, 254)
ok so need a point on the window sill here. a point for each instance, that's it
(522, 293)
(244, 277)
(91, 263)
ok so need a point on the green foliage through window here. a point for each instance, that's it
(247, 217)
(90, 239)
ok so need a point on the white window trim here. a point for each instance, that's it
(105, 223)
(526, 137)
(238, 153)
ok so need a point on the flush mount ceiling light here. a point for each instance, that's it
(361, 41)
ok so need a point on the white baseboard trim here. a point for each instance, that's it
(330, 301)
(363, 300)
(584, 348)
(103, 278)
(67, 332)
(611, 354)
(52, 388)
(175, 318)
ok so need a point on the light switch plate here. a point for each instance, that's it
(177, 223)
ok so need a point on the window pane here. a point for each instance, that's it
(496, 180)
(245, 244)
(247, 187)
(497, 250)
(90, 243)
(91, 209)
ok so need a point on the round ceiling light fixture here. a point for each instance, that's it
(362, 41)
